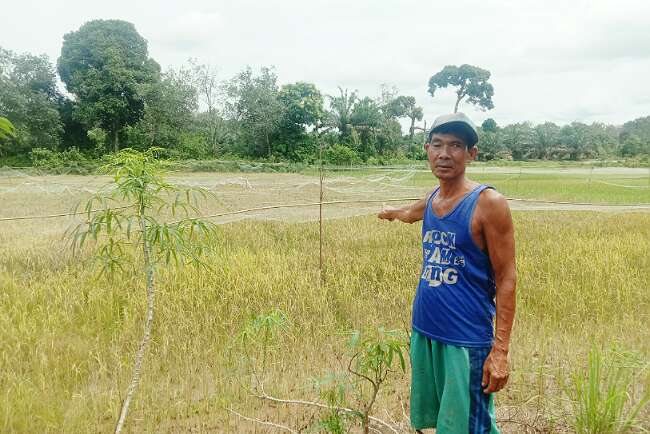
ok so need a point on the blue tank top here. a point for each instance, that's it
(454, 302)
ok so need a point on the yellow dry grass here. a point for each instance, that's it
(67, 339)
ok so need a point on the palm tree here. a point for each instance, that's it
(341, 108)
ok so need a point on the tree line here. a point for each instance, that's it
(116, 96)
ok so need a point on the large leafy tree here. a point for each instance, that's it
(254, 102)
(405, 106)
(105, 65)
(490, 145)
(169, 107)
(576, 140)
(210, 122)
(303, 108)
(470, 81)
(29, 99)
(635, 137)
(303, 103)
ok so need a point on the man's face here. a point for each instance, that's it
(448, 155)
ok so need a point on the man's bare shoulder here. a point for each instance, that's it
(493, 205)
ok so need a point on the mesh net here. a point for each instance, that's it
(26, 192)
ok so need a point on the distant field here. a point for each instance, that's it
(68, 338)
(598, 185)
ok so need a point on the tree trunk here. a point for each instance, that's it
(154, 131)
(268, 145)
(139, 358)
(412, 129)
(457, 102)
(116, 138)
(461, 94)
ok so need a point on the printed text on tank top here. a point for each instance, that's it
(447, 206)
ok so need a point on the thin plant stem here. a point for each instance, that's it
(137, 367)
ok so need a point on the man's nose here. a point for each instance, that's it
(444, 152)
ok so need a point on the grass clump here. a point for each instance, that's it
(603, 396)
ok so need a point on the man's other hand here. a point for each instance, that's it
(388, 213)
(495, 371)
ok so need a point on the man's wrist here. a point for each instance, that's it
(500, 348)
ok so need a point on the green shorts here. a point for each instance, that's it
(446, 391)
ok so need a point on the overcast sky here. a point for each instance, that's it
(551, 60)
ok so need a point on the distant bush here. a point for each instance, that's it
(341, 155)
(68, 161)
(235, 166)
(191, 146)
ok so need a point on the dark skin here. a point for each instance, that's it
(492, 230)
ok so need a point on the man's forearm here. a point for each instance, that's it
(402, 214)
(505, 315)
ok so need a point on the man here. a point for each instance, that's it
(458, 360)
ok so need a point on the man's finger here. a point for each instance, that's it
(489, 387)
(495, 384)
(486, 375)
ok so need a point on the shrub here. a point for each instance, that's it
(341, 155)
(191, 146)
(68, 161)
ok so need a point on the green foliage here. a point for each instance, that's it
(341, 155)
(639, 127)
(470, 81)
(169, 107)
(601, 396)
(255, 104)
(490, 146)
(28, 97)
(548, 141)
(105, 64)
(489, 125)
(125, 216)
(303, 104)
(98, 137)
(373, 357)
(190, 145)
(517, 138)
(6, 128)
(633, 146)
(127, 219)
(69, 161)
(405, 106)
(333, 390)
(303, 108)
(341, 108)
(256, 339)
(264, 328)
(376, 354)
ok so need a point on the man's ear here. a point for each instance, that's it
(472, 153)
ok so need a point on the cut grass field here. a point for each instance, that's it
(68, 338)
